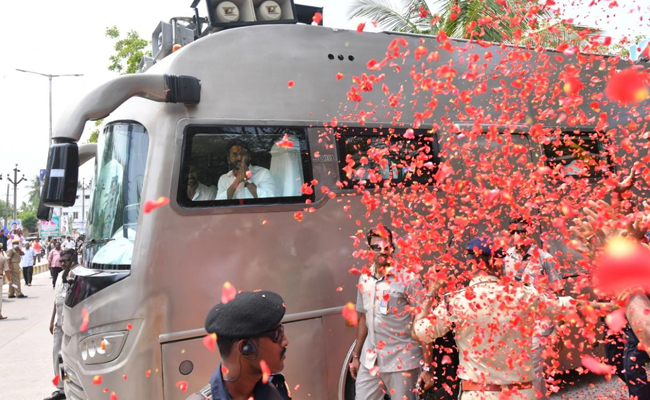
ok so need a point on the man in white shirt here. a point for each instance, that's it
(385, 357)
(69, 244)
(196, 191)
(28, 263)
(244, 181)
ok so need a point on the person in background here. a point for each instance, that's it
(4, 273)
(49, 245)
(69, 244)
(248, 331)
(29, 255)
(13, 255)
(4, 239)
(196, 191)
(37, 249)
(533, 266)
(244, 181)
(54, 261)
(68, 261)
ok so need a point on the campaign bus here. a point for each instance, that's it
(300, 97)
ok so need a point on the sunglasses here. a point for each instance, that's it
(379, 247)
(519, 231)
(276, 334)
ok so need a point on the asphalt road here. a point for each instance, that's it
(26, 353)
(26, 370)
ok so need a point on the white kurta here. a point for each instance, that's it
(261, 177)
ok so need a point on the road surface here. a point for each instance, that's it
(26, 370)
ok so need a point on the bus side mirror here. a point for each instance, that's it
(62, 176)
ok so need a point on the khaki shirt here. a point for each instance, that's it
(388, 303)
(14, 257)
(494, 326)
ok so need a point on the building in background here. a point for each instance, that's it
(74, 218)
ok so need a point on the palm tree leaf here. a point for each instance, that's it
(384, 13)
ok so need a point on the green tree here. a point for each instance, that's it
(94, 134)
(34, 194)
(513, 22)
(29, 220)
(129, 51)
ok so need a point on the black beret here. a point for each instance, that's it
(249, 314)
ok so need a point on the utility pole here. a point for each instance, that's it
(83, 201)
(15, 182)
(7, 206)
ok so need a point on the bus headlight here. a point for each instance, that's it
(101, 348)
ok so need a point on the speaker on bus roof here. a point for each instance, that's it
(222, 13)
(274, 10)
(231, 13)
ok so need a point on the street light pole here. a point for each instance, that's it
(49, 76)
(15, 182)
(83, 201)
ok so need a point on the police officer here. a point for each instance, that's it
(494, 325)
(250, 338)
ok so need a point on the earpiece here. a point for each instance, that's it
(249, 351)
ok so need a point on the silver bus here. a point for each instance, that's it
(149, 279)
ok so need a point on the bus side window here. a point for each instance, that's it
(274, 160)
(371, 157)
(580, 156)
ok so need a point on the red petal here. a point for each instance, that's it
(266, 371)
(210, 342)
(350, 314)
(228, 292)
(150, 205)
(182, 385)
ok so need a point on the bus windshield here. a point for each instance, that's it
(119, 174)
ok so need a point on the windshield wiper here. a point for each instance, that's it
(100, 241)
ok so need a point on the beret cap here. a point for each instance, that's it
(249, 314)
(484, 247)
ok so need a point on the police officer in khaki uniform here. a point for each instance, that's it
(13, 255)
(494, 325)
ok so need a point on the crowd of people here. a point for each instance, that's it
(19, 256)
(488, 340)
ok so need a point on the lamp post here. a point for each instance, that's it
(49, 76)
(15, 182)
(83, 201)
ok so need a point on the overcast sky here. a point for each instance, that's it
(67, 36)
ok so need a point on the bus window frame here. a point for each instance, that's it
(191, 128)
(369, 131)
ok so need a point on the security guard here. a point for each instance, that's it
(250, 338)
(494, 325)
